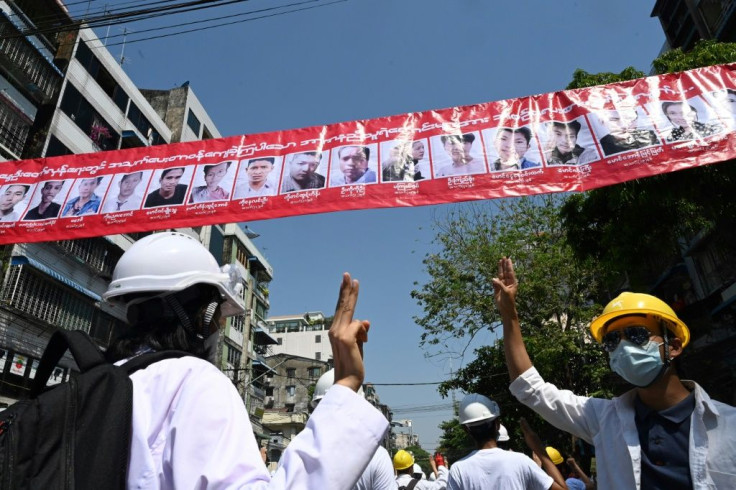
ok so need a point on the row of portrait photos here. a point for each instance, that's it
(584, 140)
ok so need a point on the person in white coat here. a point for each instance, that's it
(190, 429)
(664, 433)
(379, 475)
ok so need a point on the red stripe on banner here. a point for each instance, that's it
(559, 142)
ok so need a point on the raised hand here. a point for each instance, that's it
(347, 337)
(505, 287)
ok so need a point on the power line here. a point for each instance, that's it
(232, 23)
(129, 16)
(201, 21)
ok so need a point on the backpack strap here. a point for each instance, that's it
(142, 361)
(84, 350)
(411, 485)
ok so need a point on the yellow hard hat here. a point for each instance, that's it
(403, 460)
(650, 306)
(554, 455)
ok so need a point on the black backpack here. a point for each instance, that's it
(74, 435)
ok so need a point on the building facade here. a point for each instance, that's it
(64, 93)
(302, 335)
(246, 340)
(289, 386)
(686, 21)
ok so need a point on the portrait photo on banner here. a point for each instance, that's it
(404, 160)
(85, 197)
(47, 199)
(567, 142)
(354, 165)
(14, 200)
(305, 170)
(625, 128)
(686, 120)
(126, 191)
(457, 154)
(258, 177)
(512, 148)
(213, 182)
(169, 186)
(723, 102)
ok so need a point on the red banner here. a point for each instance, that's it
(559, 142)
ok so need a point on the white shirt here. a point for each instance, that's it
(379, 475)
(244, 191)
(439, 484)
(495, 468)
(191, 430)
(132, 203)
(609, 425)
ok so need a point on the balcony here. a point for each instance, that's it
(14, 127)
(21, 61)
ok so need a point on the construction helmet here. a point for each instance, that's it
(172, 262)
(554, 455)
(476, 409)
(650, 307)
(403, 460)
(323, 384)
(503, 434)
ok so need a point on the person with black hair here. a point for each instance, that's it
(511, 145)
(685, 124)
(489, 466)
(87, 202)
(10, 196)
(190, 428)
(563, 147)
(170, 191)
(462, 162)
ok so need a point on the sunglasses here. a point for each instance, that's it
(636, 335)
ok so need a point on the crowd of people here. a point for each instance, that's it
(190, 428)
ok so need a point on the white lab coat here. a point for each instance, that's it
(191, 431)
(610, 426)
(379, 475)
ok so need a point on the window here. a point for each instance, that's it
(88, 119)
(291, 372)
(314, 372)
(289, 407)
(56, 148)
(291, 390)
(317, 339)
(278, 340)
(233, 356)
(269, 390)
(193, 122)
(318, 356)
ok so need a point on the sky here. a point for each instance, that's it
(358, 59)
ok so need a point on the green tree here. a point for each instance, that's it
(582, 79)
(421, 457)
(455, 443)
(554, 304)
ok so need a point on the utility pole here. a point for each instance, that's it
(122, 50)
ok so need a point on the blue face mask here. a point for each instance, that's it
(639, 365)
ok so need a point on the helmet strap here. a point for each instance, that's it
(666, 337)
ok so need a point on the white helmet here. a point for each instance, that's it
(323, 384)
(475, 409)
(418, 471)
(503, 434)
(171, 262)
